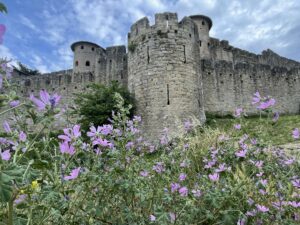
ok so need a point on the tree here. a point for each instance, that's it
(3, 8)
(96, 106)
(26, 71)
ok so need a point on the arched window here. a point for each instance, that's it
(87, 63)
(76, 63)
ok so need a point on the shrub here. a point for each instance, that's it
(95, 106)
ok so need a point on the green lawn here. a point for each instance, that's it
(274, 133)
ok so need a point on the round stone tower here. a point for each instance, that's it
(163, 72)
(204, 25)
(85, 56)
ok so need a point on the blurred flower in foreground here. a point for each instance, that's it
(45, 100)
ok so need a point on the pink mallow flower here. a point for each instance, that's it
(22, 136)
(256, 98)
(183, 191)
(214, 177)
(67, 148)
(14, 103)
(262, 208)
(5, 155)
(73, 175)
(266, 104)
(241, 154)
(152, 218)
(182, 177)
(45, 100)
(174, 187)
(296, 133)
(70, 133)
(238, 112)
(237, 126)
(6, 127)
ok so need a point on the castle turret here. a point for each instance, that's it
(163, 72)
(204, 25)
(85, 56)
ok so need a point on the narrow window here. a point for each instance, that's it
(93, 49)
(167, 17)
(87, 63)
(82, 47)
(148, 56)
(199, 103)
(200, 43)
(184, 56)
(168, 95)
(190, 35)
(208, 44)
(175, 31)
(122, 74)
(203, 23)
(76, 63)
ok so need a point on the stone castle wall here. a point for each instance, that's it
(175, 71)
(164, 72)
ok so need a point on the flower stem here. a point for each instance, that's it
(5, 111)
(10, 212)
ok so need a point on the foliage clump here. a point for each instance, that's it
(94, 107)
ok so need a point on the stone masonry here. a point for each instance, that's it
(176, 71)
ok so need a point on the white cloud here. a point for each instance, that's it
(28, 23)
(39, 63)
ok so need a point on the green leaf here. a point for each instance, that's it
(3, 8)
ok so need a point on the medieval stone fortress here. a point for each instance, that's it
(176, 71)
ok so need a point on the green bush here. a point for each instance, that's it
(96, 105)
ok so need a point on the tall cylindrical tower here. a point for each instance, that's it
(204, 25)
(85, 56)
(163, 71)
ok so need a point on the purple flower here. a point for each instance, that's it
(259, 164)
(259, 174)
(294, 204)
(172, 217)
(144, 173)
(182, 177)
(184, 164)
(264, 182)
(241, 154)
(241, 222)
(275, 117)
(106, 129)
(174, 187)
(251, 213)
(262, 191)
(73, 175)
(256, 98)
(137, 119)
(250, 201)
(151, 148)
(5, 155)
(14, 103)
(237, 126)
(103, 143)
(20, 199)
(296, 133)
(187, 125)
(45, 100)
(6, 127)
(253, 141)
(183, 191)
(221, 168)
(129, 145)
(22, 136)
(197, 193)
(159, 167)
(70, 133)
(267, 104)
(262, 208)
(289, 161)
(296, 183)
(152, 218)
(66, 148)
(238, 112)
(2, 31)
(210, 164)
(214, 177)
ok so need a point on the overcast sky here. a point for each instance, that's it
(40, 32)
